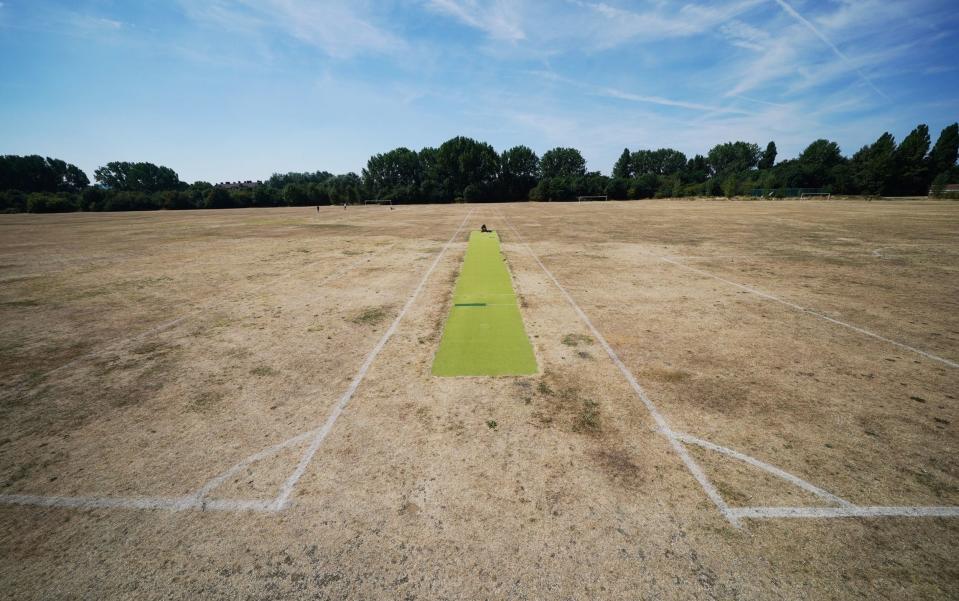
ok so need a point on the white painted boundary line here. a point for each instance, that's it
(198, 500)
(287, 489)
(802, 309)
(156, 503)
(845, 512)
(797, 481)
(661, 422)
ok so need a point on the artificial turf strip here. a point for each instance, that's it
(484, 335)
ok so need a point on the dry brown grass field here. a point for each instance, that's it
(237, 404)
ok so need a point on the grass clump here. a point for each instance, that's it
(577, 339)
(588, 417)
(491, 424)
(370, 316)
(263, 371)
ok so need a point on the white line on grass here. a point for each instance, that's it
(215, 482)
(198, 499)
(287, 489)
(158, 503)
(844, 512)
(802, 309)
(765, 467)
(661, 422)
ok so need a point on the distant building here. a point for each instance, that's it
(247, 185)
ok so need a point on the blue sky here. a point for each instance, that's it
(222, 90)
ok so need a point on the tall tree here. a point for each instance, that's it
(666, 161)
(817, 163)
(873, 166)
(623, 169)
(138, 177)
(461, 162)
(397, 169)
(562, 162)
(34, 173)
(697, 170)
(768, 158)
(946, 151)
(911, 164)
(519, 171)
(733, 157)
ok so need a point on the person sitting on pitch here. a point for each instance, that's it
(484, 229)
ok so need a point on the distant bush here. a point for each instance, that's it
(13, 201)
(40, 202)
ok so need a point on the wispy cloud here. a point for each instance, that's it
(659, 100)
(499, 19)
(340, 29)
(819, 34)
(745, 36)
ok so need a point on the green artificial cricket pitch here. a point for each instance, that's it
(484, 335)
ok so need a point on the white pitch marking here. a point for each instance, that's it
(215, 482)
(198, 499)
(765, 467)
(802, 309)
(159, 503)
(287, 488)
(844, 512)
(661, 422)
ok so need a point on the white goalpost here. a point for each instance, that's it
(806, 195)
(589, 198)
(379, 201)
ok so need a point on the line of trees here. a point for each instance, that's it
(467, 170)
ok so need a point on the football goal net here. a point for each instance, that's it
(590, 198)
(790, 192)
(378, 201)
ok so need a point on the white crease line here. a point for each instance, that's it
(765, 467)
(198, 499)
(159, 503)
(802, 309)
(844, 512)
(215, 482)
(661, 422)
(287, 489)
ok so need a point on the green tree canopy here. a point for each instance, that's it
(138, 177)
(623, 169)
(873, 165)
(733, 157)
(768, 158)
(35, 173)
(911, 164)
(398, 168)
(463, 161)
(944, 154)
(519, 172)
(562, 162)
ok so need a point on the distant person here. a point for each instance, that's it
(484, 229)
(317, 208)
